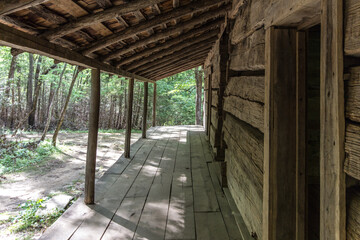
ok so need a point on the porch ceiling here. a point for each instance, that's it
(150, 38)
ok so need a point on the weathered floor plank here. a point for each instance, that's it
(167, 190)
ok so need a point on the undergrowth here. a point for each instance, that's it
(19, 155)
(29, 219)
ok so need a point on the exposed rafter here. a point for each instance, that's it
(156, 21)
(17, 39)
(170, 31)
(88, 20)
(148, 61)
(168, 44)
(8, 7)
(104, 3)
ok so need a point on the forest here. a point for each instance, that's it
(40, 94)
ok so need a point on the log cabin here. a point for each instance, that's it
(281, 100)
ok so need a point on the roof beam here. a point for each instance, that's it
(176, 3)
(9, 6)
(104, 3)
(178, 60)
(180, 49)
(150, 24)
(168, 44)
(201, 19)
(178, 70)
(17, 39)
(88, 20)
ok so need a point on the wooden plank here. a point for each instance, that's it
(92, 138)
(352, 143)
(153, 219)
(16, 39)
(210, 225)
(148, 25)
(332, 123)
(8, 7)
(204, 193)
(145, 109)
(90, 19)
(352, 89)
(129, 117)
(226, 212)
(290, 12)
(99, 218)
(301, 193)
(352, 20)
(247, 87)
(279, 198)
(353, 214)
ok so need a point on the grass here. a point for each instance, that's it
(18, 156)
(10, 132)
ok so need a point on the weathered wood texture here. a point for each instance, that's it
(244, 98)
(332, 123)
(279, 197)
(145, 109)
(249, 54)
(129, 112)
(154, 107)
(352, 27)
(244, 157)
(352, 90)
(250, 19)
(93, 137)
(352, 149)
(353, 214)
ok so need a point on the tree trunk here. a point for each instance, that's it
(62, 115)
(10, 85)
(29, 93)
(36, 78)
(198, 78)
(51, 106)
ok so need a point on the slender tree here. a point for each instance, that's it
(29, 92)
(198, 78)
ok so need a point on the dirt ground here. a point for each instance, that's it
(63, 172)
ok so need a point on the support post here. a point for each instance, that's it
(154, 107)
(279, 197)
(146, 92)
(301, 192)
(332, 123)
(92, 137)
(129, 117)
(208, 126)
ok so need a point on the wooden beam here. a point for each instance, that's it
(150, 24)
(16, 39)
(188, 54)
(301, 193)
(208, 123)
(92, 137)
(104, 3)
(201, 19)
(149, 62)
(332, 123)
(279, 194)
(145, 109)
(168, 44)
(175, 63)
(154, 107)
(185, 68)
(9, 6)
(176, 3)
(88, 20)
(47, 14)
(129, 118)
(18, 24)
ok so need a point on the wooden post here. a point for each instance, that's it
(301, 193)
(154, 107)
(146, 92)
(279, 197)
(92, 137)
(208, 126)
(129, 117)
(332, 123)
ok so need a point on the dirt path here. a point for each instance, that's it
(63, 172)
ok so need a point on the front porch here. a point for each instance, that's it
(168, 189)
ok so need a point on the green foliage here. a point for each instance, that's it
(176, 99)
(20, 155)
(28, 217)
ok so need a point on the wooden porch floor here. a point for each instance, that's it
(168, 189)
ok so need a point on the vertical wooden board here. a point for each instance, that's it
(210, 225)
(352, 90)
(129, 113)
(301, 136)
(279, 198)
(352, 145)
(332, 123)
(353, 214)
(352, 27)
(145, 109)
(154, 107)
